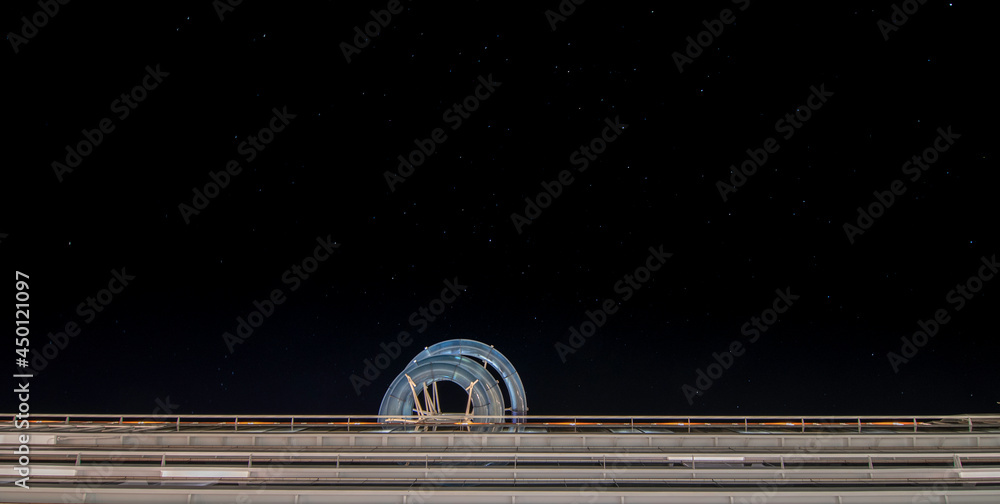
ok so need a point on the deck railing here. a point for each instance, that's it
(803, 423)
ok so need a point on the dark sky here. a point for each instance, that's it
(865, 107)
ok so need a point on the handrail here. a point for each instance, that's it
(566, 417)
(755, 421)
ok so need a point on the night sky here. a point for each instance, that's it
(570, 151)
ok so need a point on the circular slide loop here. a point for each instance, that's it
(449, 361)
(487, 398)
